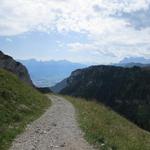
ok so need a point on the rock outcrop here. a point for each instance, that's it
(9, 64)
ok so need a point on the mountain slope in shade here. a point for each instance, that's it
(48, 73)
(126, 90)
(8, 63)
(59, 86)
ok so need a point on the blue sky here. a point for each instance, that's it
(91, 31)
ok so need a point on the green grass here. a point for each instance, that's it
(19, 105)
(106, 129)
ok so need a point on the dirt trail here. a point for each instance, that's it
(56, 129)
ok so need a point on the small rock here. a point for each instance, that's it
(62, 145)
(54, 124)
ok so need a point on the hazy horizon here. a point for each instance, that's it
(85, 63)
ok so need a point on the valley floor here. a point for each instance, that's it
(57, 129)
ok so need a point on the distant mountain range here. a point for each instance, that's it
(140, 60)
(133, 61)
(48, 73)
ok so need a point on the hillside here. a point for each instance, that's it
(19, 104)
(126, 90)
(107, 130)
(8, 63)
(59, 86)
(48, 73)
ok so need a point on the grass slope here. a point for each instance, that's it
(19, 104)
(108, 130)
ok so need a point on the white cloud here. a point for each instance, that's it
(20, 16)
(77, 47)
(93, 17)
(115, 51)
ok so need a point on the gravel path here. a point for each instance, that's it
(57, 129)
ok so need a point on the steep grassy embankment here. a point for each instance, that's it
(108, 130)
(19, 104)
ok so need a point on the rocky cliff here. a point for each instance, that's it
(8, 63)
